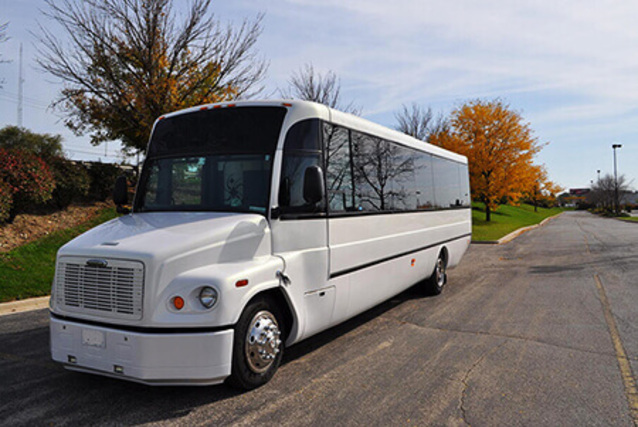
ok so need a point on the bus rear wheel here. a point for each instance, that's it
(434, 284)
(257, 346)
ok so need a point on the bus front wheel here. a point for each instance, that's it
(257, 345)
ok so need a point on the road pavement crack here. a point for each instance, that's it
(466, 377)
(506, 336)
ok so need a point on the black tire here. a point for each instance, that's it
(250, 369)
(434, 284)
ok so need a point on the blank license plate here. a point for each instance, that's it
(93, 338)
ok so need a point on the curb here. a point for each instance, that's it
(626, 221)
(514, 234)
(13, 307)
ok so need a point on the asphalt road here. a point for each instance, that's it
(540, 331)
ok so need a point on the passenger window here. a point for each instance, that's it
(424, 182)
(383, 174)
(401, 178)
(446, 184)
(464, 187)
(302, 149)
(338, 169)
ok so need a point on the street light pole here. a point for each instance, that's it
(614, 146)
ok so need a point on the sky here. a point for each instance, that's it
(570, 67)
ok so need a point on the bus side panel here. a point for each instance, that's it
(361, 240)
(380, 282)
(382, 255)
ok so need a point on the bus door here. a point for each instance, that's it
(299, 228)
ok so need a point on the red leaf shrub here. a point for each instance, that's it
(71, 181)
(29, 179)
(6, 201)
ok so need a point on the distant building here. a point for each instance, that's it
(629, 197)
(577, 198)
(579, 191)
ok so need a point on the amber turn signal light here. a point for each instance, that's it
(178, 303)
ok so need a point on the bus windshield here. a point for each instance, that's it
(211, 160)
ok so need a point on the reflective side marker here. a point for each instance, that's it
(118, 369)
(413, 262)
(72, 359)
(241, 283)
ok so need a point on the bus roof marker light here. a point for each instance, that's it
(231, 105)
(203, 108)
(286, 104)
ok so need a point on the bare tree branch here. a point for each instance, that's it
(416, 121)
(309, 85)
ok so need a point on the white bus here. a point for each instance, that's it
(255, 225)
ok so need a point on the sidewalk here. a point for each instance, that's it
(12, 307)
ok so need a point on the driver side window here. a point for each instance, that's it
(302, 149)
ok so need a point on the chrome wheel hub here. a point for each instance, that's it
(262, 341)
(440, 273)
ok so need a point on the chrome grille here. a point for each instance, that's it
(114, 290)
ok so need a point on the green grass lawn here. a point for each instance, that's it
(27, 271)
(506, 219)
(630, 218)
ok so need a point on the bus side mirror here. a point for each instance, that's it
(120, 194)
(313, 186)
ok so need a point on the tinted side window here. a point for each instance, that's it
(401, 170)
(339, 181)
(384, 174)
(446, 183)
(304, 136)
(424, 182)
(371, 186)
(464, 185)
(302, 149)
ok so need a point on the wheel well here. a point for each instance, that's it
(444, 254)
(277, 297)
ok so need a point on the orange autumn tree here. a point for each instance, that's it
(500, 148)
(542, 191)
(127, 62)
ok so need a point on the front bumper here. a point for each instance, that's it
(149, 358)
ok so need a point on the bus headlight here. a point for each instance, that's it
(208, 296)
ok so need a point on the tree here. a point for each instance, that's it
(603, 192)
(310, 85)
(542, 191)
(500, 148)
(415, 121)
(130, 61)
(42, 145)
